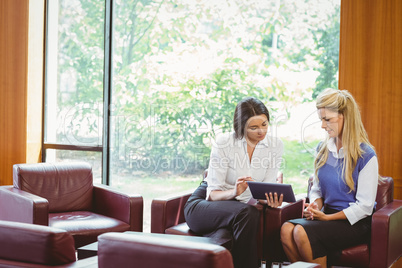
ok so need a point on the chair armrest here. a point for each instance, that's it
(20, 206)
(275, 217)
(125, 207)
(32, 243)
(167, 212)
(386, 235)
(273, 220)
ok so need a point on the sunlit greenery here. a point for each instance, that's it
(179, 67)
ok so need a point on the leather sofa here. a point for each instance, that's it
(157, 250)
(385, 247)
(35, 246)
(62, 195)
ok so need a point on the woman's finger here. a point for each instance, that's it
(280, 200)
(269, 201)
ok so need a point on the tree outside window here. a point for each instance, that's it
(178, 70)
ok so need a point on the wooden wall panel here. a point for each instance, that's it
(13, 83)
(21, 79)
(370, 67)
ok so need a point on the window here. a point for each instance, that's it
(170, 77)
(74, 82)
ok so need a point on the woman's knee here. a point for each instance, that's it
(252, 212)
(248, 214)
(300, 235)
(287, 232)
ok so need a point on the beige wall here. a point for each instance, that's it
(21, 50)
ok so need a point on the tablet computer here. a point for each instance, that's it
(258, 190)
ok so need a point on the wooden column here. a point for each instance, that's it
(21, 72)
(370, 67)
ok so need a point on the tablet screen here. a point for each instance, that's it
(258, 190)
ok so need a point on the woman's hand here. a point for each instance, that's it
(241, 185)
(273, 201)
(313, 211)
(307, 211)
(315, 214)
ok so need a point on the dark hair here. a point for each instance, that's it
(246, 108)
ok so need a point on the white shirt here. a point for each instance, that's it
(365, 194)
(229, 160)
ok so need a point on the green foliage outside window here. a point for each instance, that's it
(168, 102)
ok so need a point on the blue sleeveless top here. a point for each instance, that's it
(334, 190)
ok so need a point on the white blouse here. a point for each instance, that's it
(229, 160)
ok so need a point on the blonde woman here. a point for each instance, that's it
(342, 198)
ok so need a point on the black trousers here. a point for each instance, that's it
(205, 217)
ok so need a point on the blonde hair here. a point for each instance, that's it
(353, 133)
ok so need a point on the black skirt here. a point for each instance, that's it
(328, 238)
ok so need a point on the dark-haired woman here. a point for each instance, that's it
(247, 154)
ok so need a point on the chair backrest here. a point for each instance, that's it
(32, 243)
(66, 186)
(385, 192)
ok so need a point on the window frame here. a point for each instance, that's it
(107, 87)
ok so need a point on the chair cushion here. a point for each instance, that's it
(222, 237)
(66, 186)
(357, 256)
(35, 244)
(85, 226)
(180, 229)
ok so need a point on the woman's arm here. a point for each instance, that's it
(366, 192)
(240, 187)
(218, 168)
(315, 191)
(313, 212)
(321, 216)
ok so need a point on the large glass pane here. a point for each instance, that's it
(180, 67)
(74, 72)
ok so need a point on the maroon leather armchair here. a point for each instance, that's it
(167, 216)
(156, 250)
(385, 247)
(62, 195)
(31, 245)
